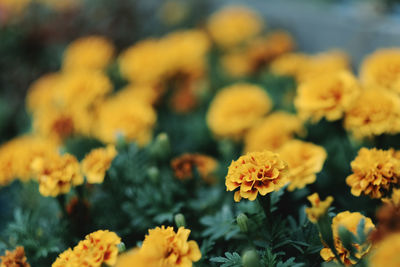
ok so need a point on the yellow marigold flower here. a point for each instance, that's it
(375, 112)
(350, 220)
(184, 165)
(96, 249)
(236, 63)
(142, 93)
(386, 253)
(14, 258)
(318, 207)
(289, 64)
(88, 53)
(134, 120)
(17, 155)
(260, 136)
(233, 25)
(394, 198)
(328, 96)
(256, 172)
(381, 70)
(236, 108)
(374, 172)
(305, 160)
(56, 174)
(41, 94)
(133, 256)
(97, 162)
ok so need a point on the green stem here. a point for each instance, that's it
(265, 202)
(61, 203)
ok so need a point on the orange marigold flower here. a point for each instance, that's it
(350, 220)
(318, 207)
(56, 174)
(261, 137)
(386, 253)
(97, 162)
(236, 108)
(14, 258)
(375, 112)
(96, 249)
(90, 52)
(375, 171)
(234, 25)
(305, 160)
(327, 96)
(184, 165)
(256, 172)
(381, 70)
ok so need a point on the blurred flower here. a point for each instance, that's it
(97, 162)
(165, 248)
(375, 112)
(233, 25)
(236, 108)
(236, 63)
(173, 12)
(388, 217)
(318, 207)
(133, 120)
(96, 249)
(289, 64)
(256, 172)
(386, 253)
(56, 174)
(381, 69)
(17, 155)
(327, 96)
(305, 160)
(260, 136)
(374, 172)
(142, 93)
(88, 53)
(14, 258)
(184, 165)
(394, 198)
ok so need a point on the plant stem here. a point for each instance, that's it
(265, 202)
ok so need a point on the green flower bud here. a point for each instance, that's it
(180, 220)
(242, 220)
(251, 259)
(121, 247)
(161, 146)
(153, 173)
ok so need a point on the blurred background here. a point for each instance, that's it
(34, 33)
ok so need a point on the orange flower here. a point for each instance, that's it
(14, 258)
(256, 172)
(183, 166)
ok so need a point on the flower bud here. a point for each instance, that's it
(161, 146)
(153, 173)
(121, 247)
(250, 259)
(180, 220)
(241, 220)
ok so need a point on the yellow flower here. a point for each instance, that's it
(41, 94)
(17, 155)
(318, 207)
(386, 252)
(133, 256)
(305, 160)
(56, 174)
(236, 63)
(374, 172)
(14, 258)
(256, 172)
(260, 136)
(184, 165)
(97, 162)
(289, 64)
(236, 108)
(96, 249)
(350, 220)
(133, 120)
(394, 198)
(375, 112)
(381, 70)
(88, 53)
(142, 93)
(233, 25)
(328, 95)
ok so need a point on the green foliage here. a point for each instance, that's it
(230, 260)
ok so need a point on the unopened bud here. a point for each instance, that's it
(180, 220)
(161, 146)
(121, 247)
(242, 220)
(250, 259)
(153, 173)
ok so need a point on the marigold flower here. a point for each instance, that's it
(88, 53)
(318, 207)
(236, 108)
(97, 162)
(134, 120)
(142, 93)
(184, 165)
(56, 174)
(305, 160)
(14, 258)
(256, 172)
(236, 63)
(273, 131)
(375, 112)
(233, 25)
(97, 248)
(328, 96)
(164, 248)
(386, 253)
(289, 64)
(350, 220)
(374, 172)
